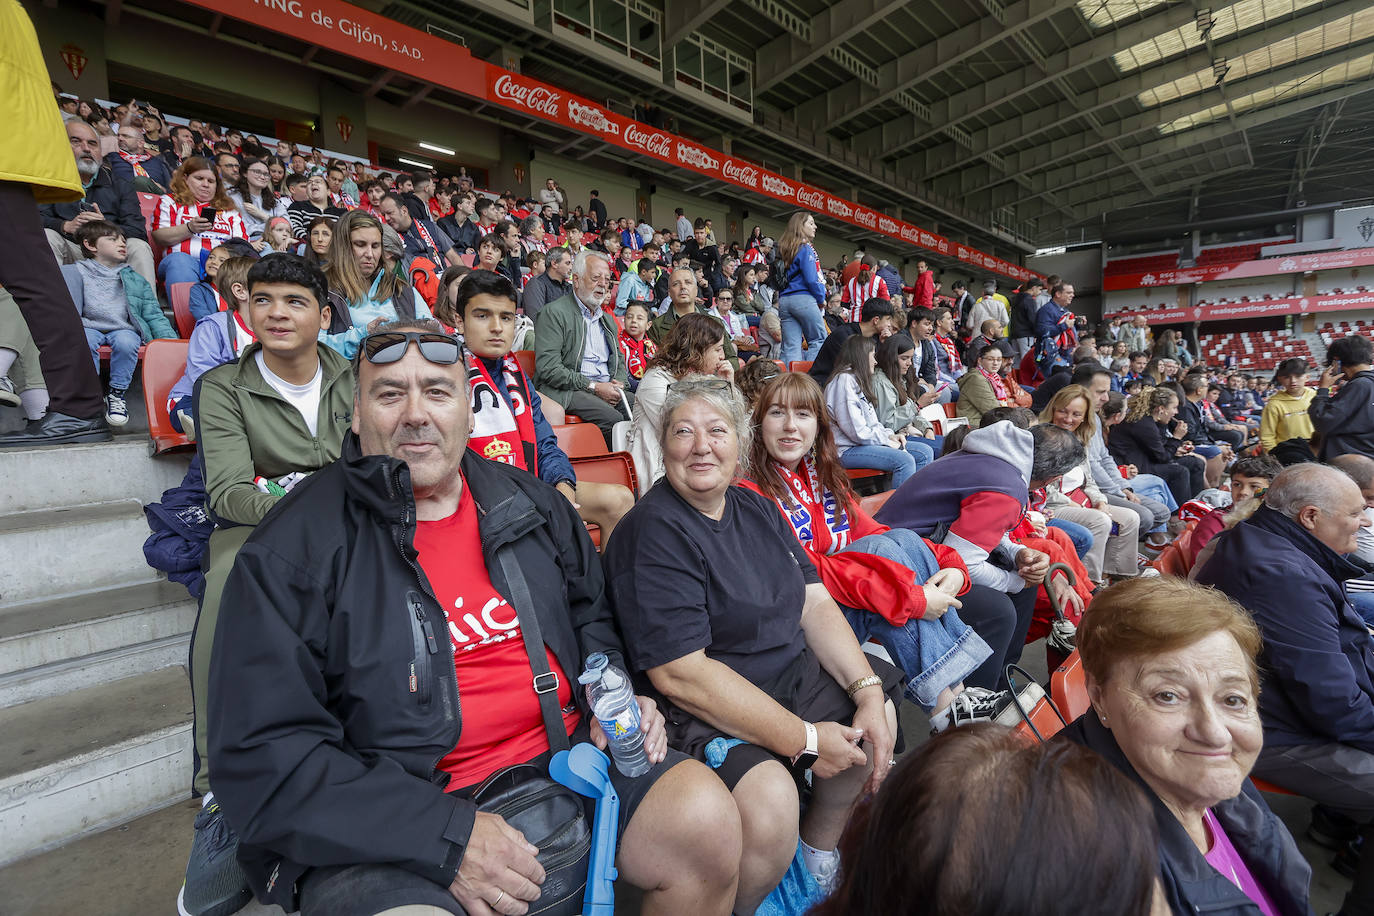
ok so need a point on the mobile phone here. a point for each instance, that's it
(208, 213)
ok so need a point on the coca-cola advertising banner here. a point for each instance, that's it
(1268, 267)
(1263, 308)
(350, 30)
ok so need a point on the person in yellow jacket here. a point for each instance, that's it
(37, 166)
(1285, 414)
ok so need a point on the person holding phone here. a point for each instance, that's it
(194, 217)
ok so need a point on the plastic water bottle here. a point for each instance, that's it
(612, 699)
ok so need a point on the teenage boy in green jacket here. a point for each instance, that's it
(264, 422)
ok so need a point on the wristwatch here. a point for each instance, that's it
(808, 757)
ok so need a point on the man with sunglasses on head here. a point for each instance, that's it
(377, 671)
(265, 422)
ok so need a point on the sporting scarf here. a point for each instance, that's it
(136, 160)
(498, 432)
(812, 511)
(999, 388)
(637, 354)
(1068, 336)
(243, 334)
(428, 240)
(955, 363)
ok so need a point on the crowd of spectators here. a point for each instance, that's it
(396, 524)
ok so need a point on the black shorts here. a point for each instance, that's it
(363, 890)
(811, 693)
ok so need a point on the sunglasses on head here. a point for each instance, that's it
(390, 347)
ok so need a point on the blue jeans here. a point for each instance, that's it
(124, 346)
(179, 267)
(1082, 538)
(1363, 602)
(935, 654)
(1149, 486)
(937, 444)
(900, 463)
(1207, 451)
(800, 316)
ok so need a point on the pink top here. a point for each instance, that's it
(1224, 858)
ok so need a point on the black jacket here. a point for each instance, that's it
(539, 292)
(1346, 421)
(1191, 884)
(1143, 443)
(464, 235)
(1023, 316)
(333, 695)
(1198, 433)
(1058, 379)
(597, 209)
(156, 167)
(1317, 663)
(823, 363)
(116, 199)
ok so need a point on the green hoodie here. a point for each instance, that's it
(248, 430)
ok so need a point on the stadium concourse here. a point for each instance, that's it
(989, 381)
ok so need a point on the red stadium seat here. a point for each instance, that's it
(164, 362)
(871, 504)
(1266, 786)
(1069, 687)
(180, 294)
(526, 360)
(800, 365)
(614, 467)
(580, 440)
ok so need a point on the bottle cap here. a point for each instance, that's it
(596, 664)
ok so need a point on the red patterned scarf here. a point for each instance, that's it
(637, 354)
(499, 432)
(955, 363)
(812, 511)
(136, 160)
(999, 388)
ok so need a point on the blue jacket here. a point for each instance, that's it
(156, 167)
(204, 299)
(1191, 884)
(1047, 330)
(1317, 663)
(211, 345)
(804, 276)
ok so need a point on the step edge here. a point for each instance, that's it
(99, 827)
(91, 755)
(112, 510)
(156, 578)
(99, 618)
(40, 672)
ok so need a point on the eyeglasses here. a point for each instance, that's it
(725, 298)
(390, 347)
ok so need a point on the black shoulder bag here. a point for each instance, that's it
(551, 816)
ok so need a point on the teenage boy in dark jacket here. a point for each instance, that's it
(1345, 420)
(1286, 565)
(374, 675)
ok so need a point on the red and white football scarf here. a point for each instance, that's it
(955, 363)
(498, 432)
(428, 240)
(637, 354)
(136, 160)
(813, 512)
(999, 388)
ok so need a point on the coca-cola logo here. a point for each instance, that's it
(909, 234)
(694, 156)
(535, 98)
(651, 142)
(839, 207)
(809, 198)
(943, 245)
(889, 226)
(776, 186)
(742, 174)
(591, 117)
(961, 253)
(866, 218)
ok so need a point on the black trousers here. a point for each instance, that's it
(1003, 621)
(30, 274)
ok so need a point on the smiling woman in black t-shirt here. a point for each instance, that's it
(725, 614)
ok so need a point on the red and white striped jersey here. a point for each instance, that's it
(856, 294)
(228, 224)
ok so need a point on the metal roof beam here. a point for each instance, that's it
(926, 63)
(837, 23)
(683, 17)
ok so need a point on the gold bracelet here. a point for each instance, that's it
(871, 680)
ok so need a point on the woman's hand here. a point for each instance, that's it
(1131, 471)
(253, 211)
(838, 747)
(726, 370)
(197, 224)
(1100, 505)
(896, 441)
(949, 580)
(651, 722)
(1069, 600)
(878, 730)
(938, 601)
(1180, 429)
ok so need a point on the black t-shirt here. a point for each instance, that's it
(681, 582)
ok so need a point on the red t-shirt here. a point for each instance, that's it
(501, 720)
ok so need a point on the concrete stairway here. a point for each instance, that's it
(95, 707)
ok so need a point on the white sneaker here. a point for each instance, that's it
(116, 411)
(7, 395)
(978, 704)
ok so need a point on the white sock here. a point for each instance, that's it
(818, 862)
(207, 798)
(939, 721)
(34, 402)
(7, 358)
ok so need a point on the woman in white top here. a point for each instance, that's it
(862, 439)
(695, 346)
(257, 202)
(1077, 498)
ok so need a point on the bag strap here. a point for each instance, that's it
(545, 681)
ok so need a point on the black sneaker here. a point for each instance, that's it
(1331, 828)
(1347, 861)
(116, 410)
(58, 429)
(215, 883)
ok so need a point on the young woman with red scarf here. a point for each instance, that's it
(982, 388)
(893, 585)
